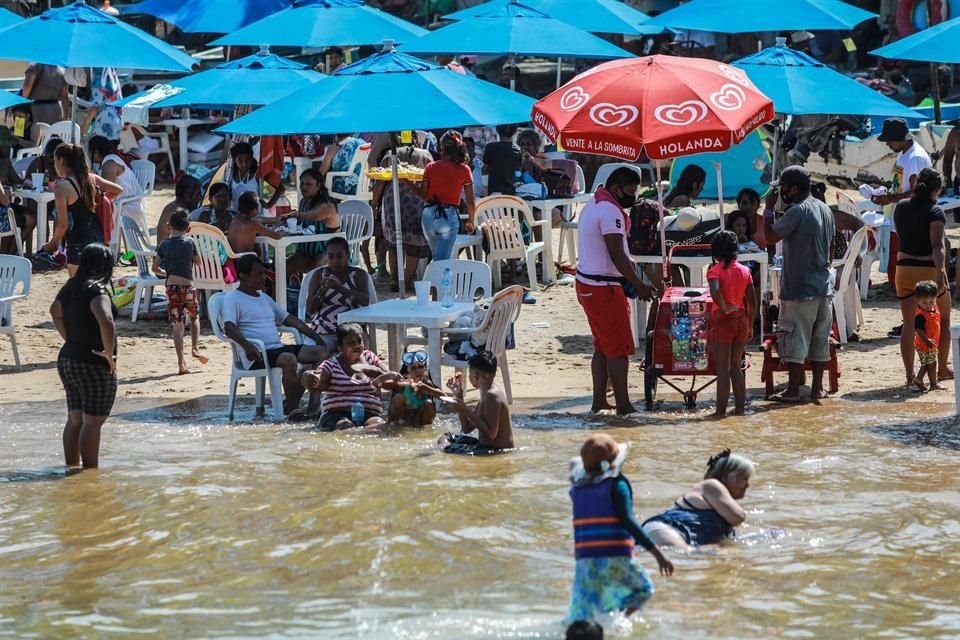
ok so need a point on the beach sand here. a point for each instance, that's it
(549, 362)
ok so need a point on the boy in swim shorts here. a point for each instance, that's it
(175, 259)
(927, 337)
(491, 417)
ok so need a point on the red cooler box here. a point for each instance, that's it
(681, 335)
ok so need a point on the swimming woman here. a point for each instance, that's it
(709, 511)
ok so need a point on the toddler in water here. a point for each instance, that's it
(412, 402)
(608, 577)
(927, 322)
(731, 287)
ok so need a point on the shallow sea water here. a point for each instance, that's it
(197, 528)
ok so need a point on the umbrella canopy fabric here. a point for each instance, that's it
(515, 29)
(207, 16)
(936, 44)
(745, 16)
(668, 106)
(743, 167)
(799, 84)
(386, 92)
(8, 99)
(80, 36)
(255, 80)
(8, 18)
(595, 16)
(324, 23)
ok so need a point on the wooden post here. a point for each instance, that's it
(934, 72)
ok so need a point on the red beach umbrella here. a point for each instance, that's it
(667, 106)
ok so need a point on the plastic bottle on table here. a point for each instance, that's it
(357, 413)
(446, 289)
(282, 207)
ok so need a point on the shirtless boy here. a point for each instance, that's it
(490, 418)
(244, 229)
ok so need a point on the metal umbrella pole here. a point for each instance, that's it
(398, 231)
(716, 166)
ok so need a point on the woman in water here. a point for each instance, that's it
(708, 512)
(688, 187)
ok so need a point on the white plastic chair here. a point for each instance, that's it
(470, 279)
(143, 253)
(145, 173)
(364, 192)
(43, 133)
(65, 130)
(129, 141)
(274, 375)
(14, 230)
(302, 304)
(848, 205)
(603, 173)
(846, 301)
(14, 275)
(499, 218)
(503, 312)
(208, 275)
(356, 222)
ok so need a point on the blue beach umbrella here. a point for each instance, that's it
(595, 16)
(799, 84)
(207, 16)
(744, 16)
(324, 23)
(515, 29)
(387, 92)
(80, 36)
(255, 80)
(743, 166)
(8, 18)
(939, 43)
(8, 99)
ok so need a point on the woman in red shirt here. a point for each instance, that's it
(443, 182)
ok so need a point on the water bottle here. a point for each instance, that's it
(446, 289)
(357, 412)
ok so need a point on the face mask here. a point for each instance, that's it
(626, 200)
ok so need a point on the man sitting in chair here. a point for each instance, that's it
(250, 314)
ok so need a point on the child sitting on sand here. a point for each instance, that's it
(608, 577)
(927, 339)
(490, 418)
(731, 287)
(344, 385)
(412, 402)
(175, 259)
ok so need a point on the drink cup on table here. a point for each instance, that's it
(37, 180)
(422, 288)
(292, 225)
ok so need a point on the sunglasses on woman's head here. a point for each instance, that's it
(415, 357)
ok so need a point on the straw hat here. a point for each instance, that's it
(601, 457)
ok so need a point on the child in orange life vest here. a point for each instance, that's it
(608, 577)
(927, 322)
(731, 287)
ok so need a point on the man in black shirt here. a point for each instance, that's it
(501, 162)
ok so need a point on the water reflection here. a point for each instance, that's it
(200, 528)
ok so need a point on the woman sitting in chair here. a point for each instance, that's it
(110, 166)
(338, 157)
(336, 288)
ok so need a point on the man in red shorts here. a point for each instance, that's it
(604, 270)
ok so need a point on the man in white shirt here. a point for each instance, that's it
(248, 314)
(605, 276)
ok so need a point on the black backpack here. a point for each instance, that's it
(644, 238)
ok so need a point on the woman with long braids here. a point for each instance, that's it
(443, 182)
(84, 315)
(74, 193)
(708, 512)
(688, 186)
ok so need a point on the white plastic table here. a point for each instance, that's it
(546, 207)
(397, 314)
(41, 198)
(280, 258)
(696, 264)
(183, 135)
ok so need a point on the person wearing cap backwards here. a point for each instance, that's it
(608, 577)
(806, 309)
(605, 276)
(911, 160)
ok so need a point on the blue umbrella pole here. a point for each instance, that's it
(398, 229)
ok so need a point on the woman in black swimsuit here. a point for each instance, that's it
(77, 221)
